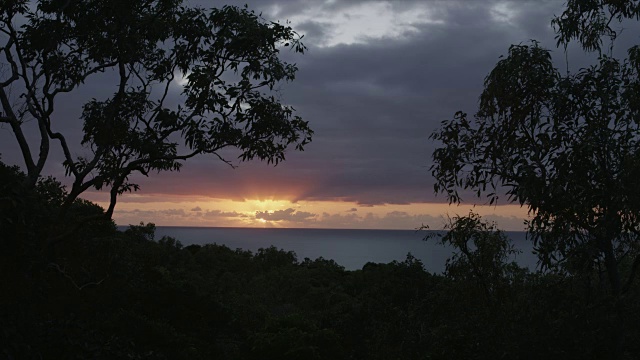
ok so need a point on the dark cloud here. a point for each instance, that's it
(197, 209)
(312, 29)
(172, 212)
(285, 215)
(372, 105)
(157, 213)
(181, 217)
(219, 214)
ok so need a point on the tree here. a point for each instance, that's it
(567, 146)
(482, 255)
(228, 58)
(589, 21)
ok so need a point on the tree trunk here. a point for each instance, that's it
(613, 274)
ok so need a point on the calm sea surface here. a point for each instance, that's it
(349, 248)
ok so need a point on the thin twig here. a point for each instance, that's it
(79, 287)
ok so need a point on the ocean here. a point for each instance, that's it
(349, 248)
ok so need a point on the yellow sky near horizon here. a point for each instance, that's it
(174, 210)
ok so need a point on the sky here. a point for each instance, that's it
(377, 79)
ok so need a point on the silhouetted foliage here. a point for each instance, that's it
(107, 294)
(227, 58)
(589, 21)
(484, 256)
(128, 295)
(124, 295)
(564, 145)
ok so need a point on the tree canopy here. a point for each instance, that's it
(567, 146)
(590, 21)
(228, 58)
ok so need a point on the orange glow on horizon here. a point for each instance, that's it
(174, 210)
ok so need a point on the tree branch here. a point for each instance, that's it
(17, 130)
(78, 287)
(14, 66)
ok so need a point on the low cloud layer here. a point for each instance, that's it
(290, 217)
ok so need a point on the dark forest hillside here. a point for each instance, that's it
(106, 294)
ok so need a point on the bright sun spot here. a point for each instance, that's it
(265, 205)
